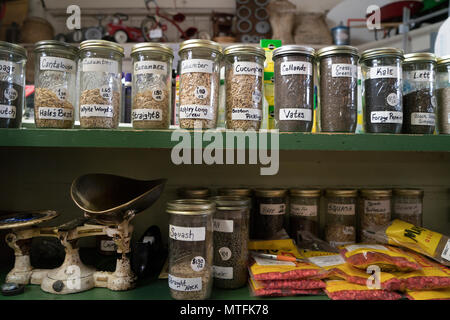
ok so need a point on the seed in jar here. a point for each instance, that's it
(51, 111)
(150, 109)
(102, 112)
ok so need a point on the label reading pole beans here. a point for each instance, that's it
(421, 75)
(225, 253)
(385, 72)
(223, 225)
(248, 114)
(57, 64)
(55, 114)
(185, 284)
(386, 117)
(225, 273)
(344, 70)
(186, 233)
(295, 114)
(303, 210)
(341, 209)
(196, 111)
(99, 65)
(295, 67)
(272, 209)
(7, 112)
(198, 263)
(247, 68)
(196, 65)
(150, 67)
(377, 206)
(423, 119)
(96, 110)
(146, 115)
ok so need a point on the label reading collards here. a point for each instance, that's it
(248, 68)
(185, 284)
(150, 67)
(146, 115)
(385, 72)
(196, 111)
(248, 114)
(186, 233)
(55, 114)
(295, 114)
(344, 70)
(7, 112)
(96, 110)
(386, 117)
(423, 119)
(196, 65)
(57, 64)
(295, 67)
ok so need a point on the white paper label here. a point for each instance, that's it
(272, 209)
(196, 111)
(108, 245)
(423, 119)
(201, 92)
(61, 93)
(186, 233)
(55, 114)
(96, 110)
(269, 262)
(327, 261)
(392, 99)
(377, 206)
(185, 284)
(248, 114)
(348, 230)
(408, 208)
(99, 65)
(225, 253)
(420, 75)
(295, 67)
(106, 92)
(223, 225)
(158, 95)
(146, 115)
(57, 64)
(344, 70)
(150, 67)
(385, 72)
(198, 263)
(10, 94)
(365, 246)
(225, 273)
(156, 33)
(247, 68)
(303, 210)
(446, 252)
(295, 114)
(448, 116)
(341, 209)
(7, 112)
(8, 67)
(196, 65)
(386, 117)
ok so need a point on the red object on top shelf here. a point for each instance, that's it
(394, 11)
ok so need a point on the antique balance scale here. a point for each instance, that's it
(109, 203)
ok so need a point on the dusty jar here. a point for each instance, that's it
(419, 93)
(443, 94)
(374, 211)
(304, 212)
(193, 193)
(244, 70)
(338, 95)
(382, 90)
(12, 84)
(294, 88)
(270, 210)
(231, 235)
(152, 86)
(408, 205)
(190, 248)
(340, 228)
(55, 84)
(100, 84)
(199, 83)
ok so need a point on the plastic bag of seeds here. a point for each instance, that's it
(293, 284)
(443, 294)
(258, 290)
(387, 258)
(343, 290)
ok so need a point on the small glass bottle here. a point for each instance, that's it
(194, 193)
(190, 248)
(443, 94)
(270, 209)
(340, 226)
(304, 212)
(375, 210)
(408, 205)
(231, 235)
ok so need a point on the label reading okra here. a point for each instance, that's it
(272, 209)
(384, 72)
(295, 114)
(185, 284)
(295, 67)
(247, 68)
(423, 119)
(408, 208)
(150, 67)
(146, 115)
(221, 225)
(186, 233)
(344, 70)
(341, 209)
(96, 110)
(7, 112)
(197, 65)
(57, 64)
(303, 210)
(55, 114)
(248, 114)
(225, 273)
(377, 206)
(99, 65)
(421, 75)
(386, 117)
(196, 111)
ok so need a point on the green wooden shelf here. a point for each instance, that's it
(151, 139)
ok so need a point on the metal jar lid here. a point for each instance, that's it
(330, 50)
(230, 202)
(376, 192)
(200, 43)
(152, 47)
(443, 60)
(241, 192)
(382, 52)
(101, 44)
(191, 207)
(293, 49)
(345, 193)
(408, 192)
(420, 56)
(245, 49)
(270, 193)
(57, 46)
(306, 193)
(194, 193)
(13, 48)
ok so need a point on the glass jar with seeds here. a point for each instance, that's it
(382, 90)
(12, 84)
(55, 84)
(374, 211)
(199, 83)
(419, 95)
(443, 94)
(408, 205)
(244, 70)
(270, 209)
(338, 84)
(231, 235)
(193, 193)
(294, 88)
(152, 85)
(340, 228)
(304, 211)
(190, 248)
(100, 84)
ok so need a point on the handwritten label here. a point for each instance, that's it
(408, 208)
(386, 117)
(8, 67)
(150, 67)
(99, 65)
(55, 114)
(61, 93)
(146, 115)
(225, 273)
(108, 245)
(348, 230)
(10, 94)
(377, 206)
(201, 92)
(392, 99)
(423, 119)
(303, 210)
(158, 95)
(197, 65)
(185, 284)
(57, 64)
(223, 225)
(247, 68)
(225, 253)
(96, 110)
(344, 70)
(385, 72)
(296, 67)
(295, 114)
(248, 114)
(420, 75)
(272, 209)
(196, 111)
(7, 112)
(269, 262)
(341, 209)
(198, 263)
(327, 261)
(186, 233)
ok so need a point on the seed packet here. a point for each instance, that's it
(343, 290)
(293, 284)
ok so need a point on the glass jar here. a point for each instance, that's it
(443, 94)
(194, 193)
(100, 84)
(55, 84)
(231, 235)
(341, 216)
(419, 96)
(244, 70)
(199, 83)
(12, 84)
(294, 88)
(304, 212)
(408, 205)
(382, 90)
(338, 84)
(152, 86)
(190, 248)
(374, 211)
(270, 209)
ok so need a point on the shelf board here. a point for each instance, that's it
(161, 139)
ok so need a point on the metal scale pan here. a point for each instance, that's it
(24, 219)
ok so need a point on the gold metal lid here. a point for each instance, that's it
(241, 192)
(443, 60)
(347, 193)
(420, 56)
(382, 52)
(307, 193)
(326, 51)
(13, 48)
(152, 47)
(293, 49)
(268, 193)
(101, 44)
(245, 48)
(408, 192)
(230, 202)
(376, 192)
(191, 207)
(55, 45)
(200, 43)
(194, 193)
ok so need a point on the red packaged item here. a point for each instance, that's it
(443, 294)
(258, 290)
(343, 290)
(293, 284)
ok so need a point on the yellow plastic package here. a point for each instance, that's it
(429, 295)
